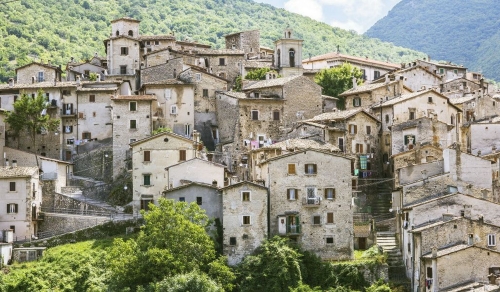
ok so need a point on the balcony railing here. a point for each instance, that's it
(311, 202)
(293, 229)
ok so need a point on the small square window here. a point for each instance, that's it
(291, 194)
(199, 201)
(12, 208)
(246, 220)
(329, 193)
(124, 50)
(368, 130)
(70, 141)
(492, 240)
(316, 220)
(276, 116)
(232, 240)
(255, 115)
(222, 61)
(310, 168)
(245, 196)
(329, 240)
(205, 92)
(12, 186)
(92, 98)
(182, 199)
(291, 168)
(147, 156)
(353, 129)
(182, 155)
(132, 106)
(147, 179)
(329, 217)
(133, 124)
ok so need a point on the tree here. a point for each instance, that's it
(173, 241)
(257, 74)
(194, 281)
(161, 130)
(30, 116)
(274, 267)
(336, 80)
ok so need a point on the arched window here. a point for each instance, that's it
(291, 56)
(117, 33)
(131, 33)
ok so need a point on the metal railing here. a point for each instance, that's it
(315, 201)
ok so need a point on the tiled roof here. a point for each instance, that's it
(404, 97)
(156, 37)
(126, 19)
(190, 184)
(347, 58)
(39, 85)
(202, 51)
(329, 97)
(257, 64)
(448, 250)
(338, 115)
(19, 171)
(361, 230)
(84, 89)
(461, 100)
(302, 144)
(244, 183)
(366, 88)
(134, 97)
(271, 82)
(41, 64)
(194, 160)
(165, 82)
(162, 134)
(235, 94)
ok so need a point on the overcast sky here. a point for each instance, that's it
(358, 15)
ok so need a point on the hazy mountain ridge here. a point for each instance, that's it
(463, 32)
(57, 30)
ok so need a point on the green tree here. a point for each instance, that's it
(274, 267)
(336, 80)
(30, 116)
(173, 241)
(161, 130)
(93, 76)
(257, 74)
(194, 281)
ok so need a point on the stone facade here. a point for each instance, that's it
(288, 55)
(247, 41)
(418, 78)
(310, 201)
(167, 70)
(241, 238)
(365, 96)
(195, 170)
(38, 72)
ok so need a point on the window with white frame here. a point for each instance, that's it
(187, 130)
(173, 109)
(329, 193)
(246, 220)
(291, 194)
(12, 208)
(492, 240)
(168, 94)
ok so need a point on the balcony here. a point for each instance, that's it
(68, 114)
(311, 202)
(293, 230)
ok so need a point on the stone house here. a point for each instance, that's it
(150, 156)
(207, 196)
(371, 69)
(36, 72)
(175, 106)
(417, 77)
(245, 219)
(448, 232)
(132, 121)
(447, 70)
(473, 264)
(288, 55)
(310, 201)
(246, 41)
(21, 199)
(482, 137)
(225, 63)
(84, 69)
(462, 86)
(195, 170)
(367, 95)
(405, 162)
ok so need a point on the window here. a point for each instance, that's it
(245, 196)
(40, 76)
(341, 144)
(310, 168)
(441, 70)
(255, 115)
(492, 240)
(291, 194)
(94, 114)
(132, 106)
(168, 94)
(131, 33)
(145, 204)
(157, 43)
(70, 141)
(13, 228)
(12, 208)
(353, 129)
(12, 186)
(182, 155)
(387, 118)
(232, 240)
(455, 71)
(81, 115)
(316, 220)
(199, 200)
(147, 156)
(429, 272)
(182, 199)
(329, 240)
(47, 96)
(187, 130)
(359, 148)
(123, 69)
(368, 130)
(291, 168)
(132, 140)
(246, 220)
(329, 218)
(376, 74)
(356, 102)
(276, 115)
(291, 56)
(311, 195)
(92, 98)
(15, 98)
(133, 124)
(329, 193)
(173, 110)
(147, 179)
(197, 76)
(222, 62)
(205, 92)
(86, 136)
(124, 50)
(412, 114)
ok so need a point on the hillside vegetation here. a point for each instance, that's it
(464, 32)
(57, 30)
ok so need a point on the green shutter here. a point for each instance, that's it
(287, 225)
(297, 223)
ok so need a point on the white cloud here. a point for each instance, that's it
(310, 8)
(348, 25)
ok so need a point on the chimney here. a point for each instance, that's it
(387, 78)
(354, 83)
(11, 82)
(14, 163)
(214, 183)
(77, 80)
(434, 252)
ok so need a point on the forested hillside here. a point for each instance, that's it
(464, 32)
(56, 30)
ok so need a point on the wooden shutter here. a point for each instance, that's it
(147, 156)
(182, 155)
(16, 206)
(288, 195)
(8, 209)
(355, 129)
(329, 217)
(354, 184)
(291, 168)
(315, 169)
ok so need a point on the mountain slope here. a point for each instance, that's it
(56, 30)
(464, 32)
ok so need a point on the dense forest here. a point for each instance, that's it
(463, 32)
(57, 30)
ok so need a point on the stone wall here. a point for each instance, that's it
(60, 201)
(58, 223)
(162, 72)
(96, 164)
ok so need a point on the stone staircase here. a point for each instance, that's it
(387, 241)
(381, 203)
